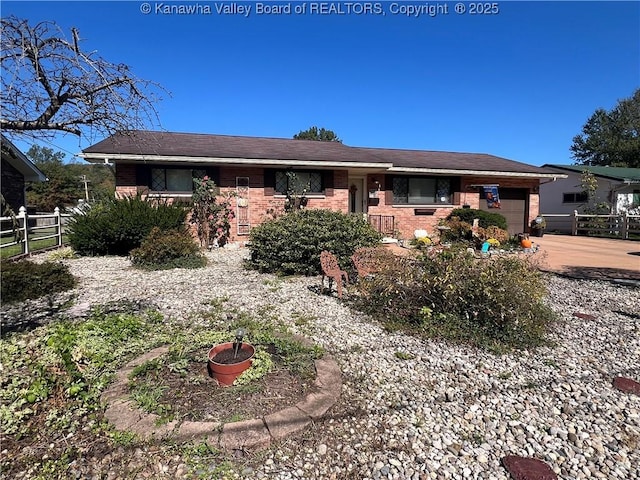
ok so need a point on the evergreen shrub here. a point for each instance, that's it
(291, 244)
(486, 219)
(116, 226)
(25, 280)
(168, 249)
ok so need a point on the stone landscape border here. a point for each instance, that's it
(253, 434)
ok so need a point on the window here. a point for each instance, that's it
(298, 181)
(574, 197)
(421, 190)
(174, 179)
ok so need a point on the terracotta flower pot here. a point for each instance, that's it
(226, 373)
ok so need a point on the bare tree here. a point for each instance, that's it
(50, 85)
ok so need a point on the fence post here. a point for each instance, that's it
(56, 212)
(574, 223)
(22, 214)
(625, 225)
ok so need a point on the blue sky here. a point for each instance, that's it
(518, 84)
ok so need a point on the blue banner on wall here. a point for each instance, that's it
(491, 194)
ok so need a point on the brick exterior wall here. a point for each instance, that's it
(406, 222)
(13, 186)
(261, 198)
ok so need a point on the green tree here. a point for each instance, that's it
(317, 134)
(611, 137)
(594, 205)
(60, 190)
(65, 185)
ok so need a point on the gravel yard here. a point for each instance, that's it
(433, 410)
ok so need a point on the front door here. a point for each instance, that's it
(357, 195)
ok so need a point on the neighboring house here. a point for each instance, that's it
(619, 187)
(399, 190)
(16, 169)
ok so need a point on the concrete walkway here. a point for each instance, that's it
(589, 257)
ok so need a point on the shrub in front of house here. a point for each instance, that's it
(291, 244)
(162, 250)
(24, 280)
(496, 304)
(497, 233)
(117, 226)
(457, 231)
(486, 219)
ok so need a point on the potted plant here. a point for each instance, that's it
(538, 225)
(228, 360)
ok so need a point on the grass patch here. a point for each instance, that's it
(34, 245)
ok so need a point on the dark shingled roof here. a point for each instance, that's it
(187, 145)
(452, 161)
(226, 146)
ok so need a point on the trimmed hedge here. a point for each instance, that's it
(291, 244)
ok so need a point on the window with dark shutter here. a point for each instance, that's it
(171, 179)
(298, 181)
(422, 190)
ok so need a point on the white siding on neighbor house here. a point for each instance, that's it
(628, 200)
(552, 198)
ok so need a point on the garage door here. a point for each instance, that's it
(513, 206)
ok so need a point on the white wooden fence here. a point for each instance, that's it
(31, 228)
(619, 226)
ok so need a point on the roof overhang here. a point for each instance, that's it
(481, 173)
(20, 162)
(176, 159)
(385, 166)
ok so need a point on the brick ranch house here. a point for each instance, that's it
(398, 190)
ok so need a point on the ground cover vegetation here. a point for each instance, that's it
(51, 416)
(117, 226)
(291, 244)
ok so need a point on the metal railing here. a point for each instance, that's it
(27, 229)
(384, 224)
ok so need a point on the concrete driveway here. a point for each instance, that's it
(590, 257)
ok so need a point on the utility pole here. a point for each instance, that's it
(86, 187)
